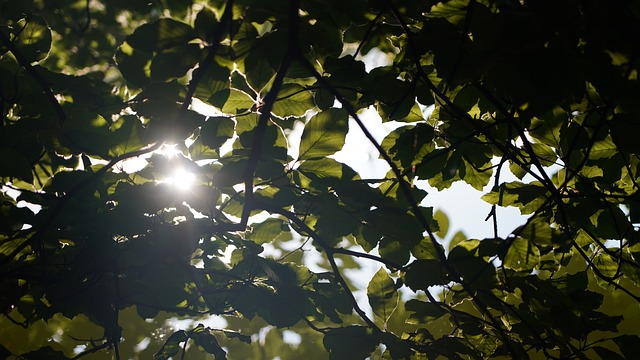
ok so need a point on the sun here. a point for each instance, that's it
(181, 179)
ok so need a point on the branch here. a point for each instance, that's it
(62, 116)
(379, 259)
(92, 350)
(330, 257)
(39, 233)
(406, 190)
(265, 111)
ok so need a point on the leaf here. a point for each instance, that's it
(324, 134)
(426, 249)
(606, 264)
(213, 87)
(443, 223)
(236, 101)
(33, 39)
(171, 346)
(161, 34)
(128, 134)
(293, 100)
(174, 62)
(268, 230)
(205, 24)
(216, 131)
(132, 63)
(351, 342)
(421, 274)
(382, 294)
(628, 345)
(258, 70)
(424, 312)
(522, 255)
(236, 335)
(46, 352)
(204, 337)
(606, 354)
(527, 197)
(14, 165)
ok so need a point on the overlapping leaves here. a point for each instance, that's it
(85, 88)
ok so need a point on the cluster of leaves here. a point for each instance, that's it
(543, 90)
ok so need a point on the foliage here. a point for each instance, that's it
(534, 101)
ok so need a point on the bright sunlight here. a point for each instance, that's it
(181, 179)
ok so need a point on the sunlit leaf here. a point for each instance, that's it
(324, 134)
(383, 297)
(522, 255)
(293, 100)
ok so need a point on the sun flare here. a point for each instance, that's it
(181, 179)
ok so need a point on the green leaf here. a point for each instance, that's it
(216, 131)
(443, 223)
(324, 134)
(607, 354)
(421, 274)
(522, 255)
(204, 338)
(33, 39)
(174, 62)
(161, 34)
(257, 68)
(606, 264)
(382, 294)
(268, 230)
(133, 64)
(171, 346)
(236, 335)
(628, 345)
(424, 312)
(351, 342)
(236, 101)
(527, 197)
(426, 250)
(293, 100)
(205, 24)
(128, 134)
(213, 87)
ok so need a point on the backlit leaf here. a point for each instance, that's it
(293, 100)
(383, 297)
(324, 134)
(522, 255)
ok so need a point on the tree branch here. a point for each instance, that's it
(265, 111)
(330, 257)
(62, 116)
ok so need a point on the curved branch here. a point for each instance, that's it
(265, 112)
(330, 257)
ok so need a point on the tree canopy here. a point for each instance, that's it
(106, 103)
